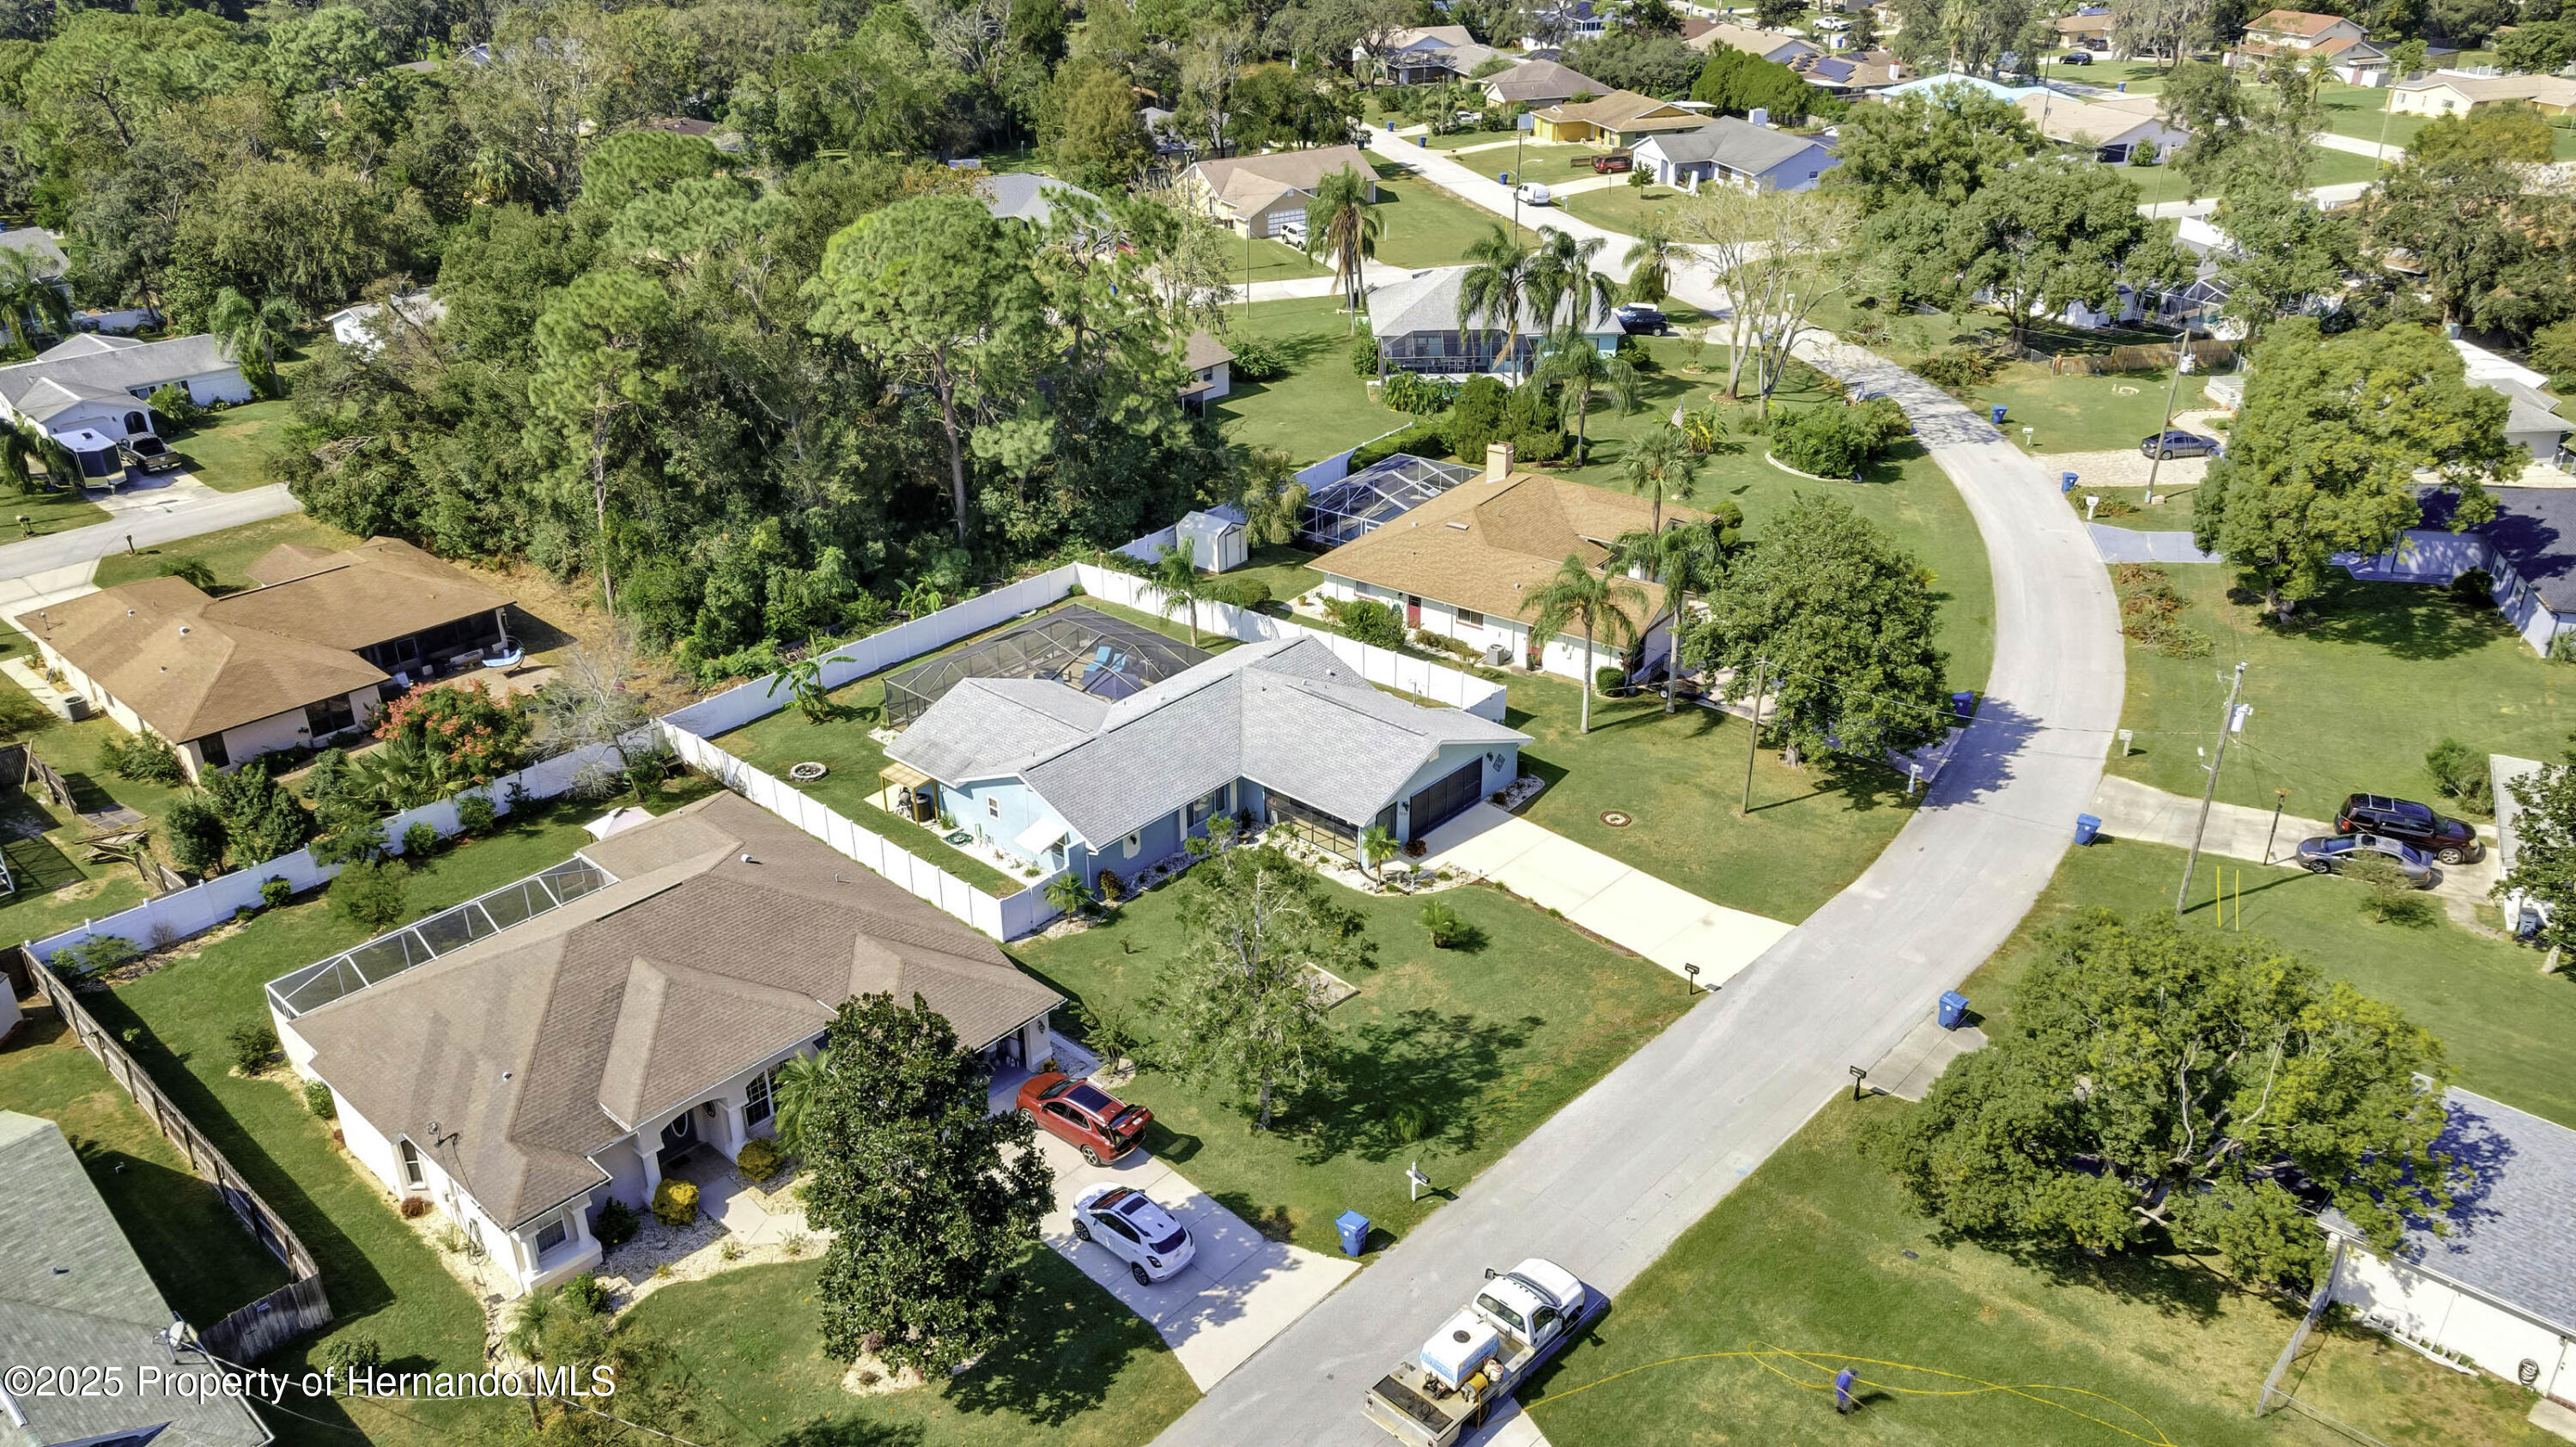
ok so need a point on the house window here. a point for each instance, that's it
(552, 1234)
(993, 806)
(1128, 846)
(1201, 808)
(755, 1100)
(412, 1175)
(1470, 618)
(211, 749)
(329, 716)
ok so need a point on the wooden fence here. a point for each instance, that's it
(273, 1320)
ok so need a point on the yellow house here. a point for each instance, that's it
(1621, 118)
(2457, 95)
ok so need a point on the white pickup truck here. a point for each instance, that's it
(1481, 1354)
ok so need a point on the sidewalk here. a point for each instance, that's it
(1628, 907)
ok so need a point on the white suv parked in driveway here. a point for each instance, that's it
(1135, 1230)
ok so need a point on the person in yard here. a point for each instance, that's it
(1844, 1402)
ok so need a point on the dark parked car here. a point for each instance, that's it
(2447, 840)
(2077, 57)
(1613, 162)
(2328, 853)
(1637, 318)
(2176, 444)
(1093, 1121)
(146, 453)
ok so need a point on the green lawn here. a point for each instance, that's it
(1422, 225)
(1622, 208)
(229, 552)
(2370, 676)
(1489, 1041)
(37, 512)
(206, 1265)
(1321, 407)
(55, 888)
(1534, 160)
(383, 1282)
(2361, 112)
(2173, 515)
(1266, 258)
(1078, 1370)
(227, 450)
(1818, 1254)
(2081, 414)
(2338, 168)
(2504, 1023)
(1282, 569)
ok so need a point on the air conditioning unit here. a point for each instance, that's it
(1498, 655)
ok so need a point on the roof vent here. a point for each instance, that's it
(183, 630)
(1462, 527)
(747, 859)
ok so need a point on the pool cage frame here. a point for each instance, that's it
(449, 930)
(1081, 648)
(1369, 499)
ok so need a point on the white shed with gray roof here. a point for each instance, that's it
(2499, 1287)
(1216, 539)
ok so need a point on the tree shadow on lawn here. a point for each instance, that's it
(851, 1432)
(1068, 1343)
(1411, 1082)
(2409, 621)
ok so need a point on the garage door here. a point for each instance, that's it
(1448, 798)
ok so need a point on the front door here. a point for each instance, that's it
(678, 1136)
(1412, 611)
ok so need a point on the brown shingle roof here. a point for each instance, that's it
(2295, 22)
(1251, 184)
(192, 665)
(551, 1040)
(1491, 545)
(1623, 110)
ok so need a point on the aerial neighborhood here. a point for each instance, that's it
(1262, 724)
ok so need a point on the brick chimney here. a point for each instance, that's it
(1498, 461)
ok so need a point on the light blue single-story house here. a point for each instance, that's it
(1280, 733)
(1417, 327)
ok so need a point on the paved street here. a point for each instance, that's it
(1607, 1185)
(146, 522)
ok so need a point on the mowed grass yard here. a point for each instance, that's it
(1077, 1369)
(1421, 225)
(1819, 1254)
(385, 1283)
(228, 450)
(1321, 406)
(2365, 680)
(229, 553)
(1624, 208)
(206, 1265)
(1484, 1043)
(35, 512)
(2082, 414)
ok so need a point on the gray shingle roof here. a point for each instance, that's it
(1427, 301)
(2513, 1226)
(540, 1045)
(39, 244)
(77, 364)
(1024, 195)
(1286, 714)
(2535, 529)
(1738, 145)
(74, 1294)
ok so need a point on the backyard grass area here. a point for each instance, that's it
(1321, 407)
(1078, 1370)
(2369, 677)
(1819, 1254)
(2081, 414)
(227, 450)
(206, 1265)
(1422, 225)
(383, 1281)
(229, 552)
(2504, 1023)
(1622, 208)
(1484, 1043)
(2339, 168)
(54, 888)
(1281, 568)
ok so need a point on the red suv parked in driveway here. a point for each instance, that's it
(1095, 1122)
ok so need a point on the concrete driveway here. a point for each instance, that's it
(1626, 906)
(2131, 810)
(1241, 1289)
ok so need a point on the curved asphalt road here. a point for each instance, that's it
(1615, 1177)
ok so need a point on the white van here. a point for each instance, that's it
(1532, 193)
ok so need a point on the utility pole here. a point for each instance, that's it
(2280, 801)
(1753, 744)
(2173, 389)
(2191, 861)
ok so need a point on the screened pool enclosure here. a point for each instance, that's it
(1374, 496)
(1078, 647)
(445, 932)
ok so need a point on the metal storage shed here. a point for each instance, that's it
(1216, 539)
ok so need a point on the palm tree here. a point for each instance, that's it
(1496, 290)
(525, 1336)
(1564, 290)
(1342, 226)
(1661, 464)
(1175, 581)
(1575, 361)
(793, 1092)
(1651, 260)
(1377, 846)
(1600, 604)
(31, 299)
(1684, 560)
(247, 329)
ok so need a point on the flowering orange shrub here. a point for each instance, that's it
(467, 734)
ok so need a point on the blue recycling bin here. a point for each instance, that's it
(1423, 142)
(1963, 705)
(1503, 176)
(2087, 828)
(2066, 482)
(1354, 1227)
(1998, 410)
(1954, 1009)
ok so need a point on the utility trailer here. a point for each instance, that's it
(1483, 1353)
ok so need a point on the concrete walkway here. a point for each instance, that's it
(1608, 1183)
(158, 518)
(1238, 1292)
(2354, 146)
(2131, 810)
(1624, 905)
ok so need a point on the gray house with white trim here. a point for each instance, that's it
(1739, 153)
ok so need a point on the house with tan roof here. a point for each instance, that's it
(1466, 563)
(1260, 195)
(2342, 40)
(2113, 130)
(1775, 46)
(628, 1026)
(2445, 93)
(1540, 83)
(1621, 118)
(307, 655)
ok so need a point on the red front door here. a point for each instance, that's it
(1412, 611)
